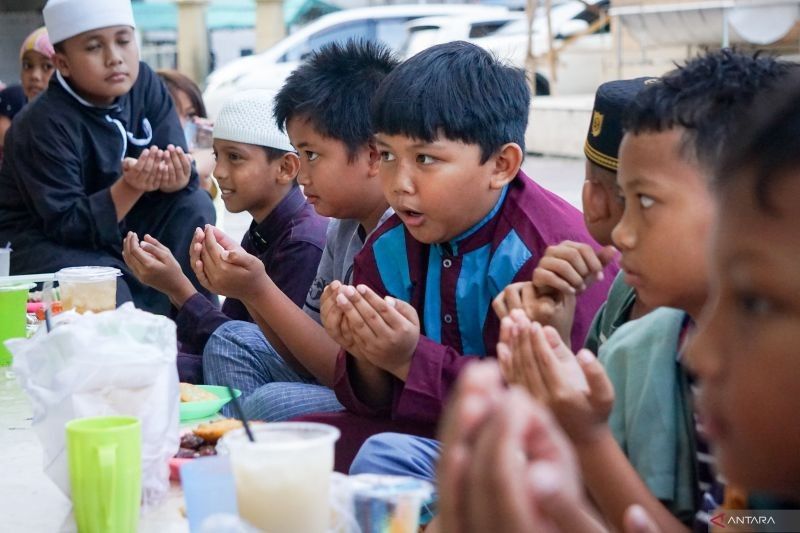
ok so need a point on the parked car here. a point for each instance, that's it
(269, 69)
(580, 66)
(428, 31)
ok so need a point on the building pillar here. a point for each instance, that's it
(269, 23)
(193, 52)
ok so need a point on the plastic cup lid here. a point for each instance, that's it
(87, 274)
(17, 287)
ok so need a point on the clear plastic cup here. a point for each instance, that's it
(387, 503)
(5, 261)
(283, 478)
(88, 288)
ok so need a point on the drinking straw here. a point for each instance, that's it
(239, 411)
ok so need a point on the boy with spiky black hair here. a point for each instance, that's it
(285, 365)
(450, 124)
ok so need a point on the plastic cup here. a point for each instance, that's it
(13, 303)
(104, 455)
(207, 488)
(88, 288)
(5, 261)
(283, 478)
(387, 503)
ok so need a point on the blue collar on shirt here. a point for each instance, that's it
(452, 246)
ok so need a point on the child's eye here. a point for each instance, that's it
(47, 67)
(233, 156)
(755, 305)
(423, 159)
(311, 156)
(646, 201)
(214, 153)
(387, 156)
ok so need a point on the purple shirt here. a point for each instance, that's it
(463, 276)
(289, 242)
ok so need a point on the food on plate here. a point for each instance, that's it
(211, 432)
(193, 393)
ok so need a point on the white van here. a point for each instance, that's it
(269, 69)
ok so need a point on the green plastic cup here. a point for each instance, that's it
(13, 299)
(105, 472)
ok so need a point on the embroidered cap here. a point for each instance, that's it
(68, 18)
(247, 118)
(605, 129)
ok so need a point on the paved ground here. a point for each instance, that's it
(561, 175)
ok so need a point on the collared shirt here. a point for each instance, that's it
(452, 285)
(289, 241)
(63, 154)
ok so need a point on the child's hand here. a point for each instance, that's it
(570, 268)
(333, 319)
(517, 295)
(505, 464)
(385, 331)
(576, 388)
(179, 169)
(546, 309)
(145, 173)
(228, 268)
(154, 265)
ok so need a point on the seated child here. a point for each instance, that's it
(98, 154)
(744, 355)
(568, 268)
(450, 124)
(256, 168)
(675, 130)
(36, 68)
(285, 365)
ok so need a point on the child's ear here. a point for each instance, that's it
(61, 63)
(595, 199)
(506, 164)
(374, 158)
(290, 166)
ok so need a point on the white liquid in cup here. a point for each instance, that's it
(283, 479)
(88, 288)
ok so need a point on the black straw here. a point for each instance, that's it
(239, 411)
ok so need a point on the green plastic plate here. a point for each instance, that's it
(206, 408)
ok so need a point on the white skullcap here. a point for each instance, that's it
(68, 18)
(247, 118)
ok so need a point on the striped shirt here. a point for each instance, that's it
(452, 285)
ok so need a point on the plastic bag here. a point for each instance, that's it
(118, 362)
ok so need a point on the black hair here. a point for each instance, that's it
(704, 96)
(333, 89)
(769, 147)
(273, 154)
(458, 90)
(175, 82)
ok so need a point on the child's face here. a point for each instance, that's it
(663, 233)
(602, 202)
(334, 185)
(439, 189)
(746, 351)
(101, 64)
(247, 180)
(35, 74)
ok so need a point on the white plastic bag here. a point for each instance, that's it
(118, 362)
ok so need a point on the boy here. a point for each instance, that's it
(256, 169)
(78, 173)
(468, 222)
(568, 268)
(675, 130)
(286, 367)
(744, 355)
